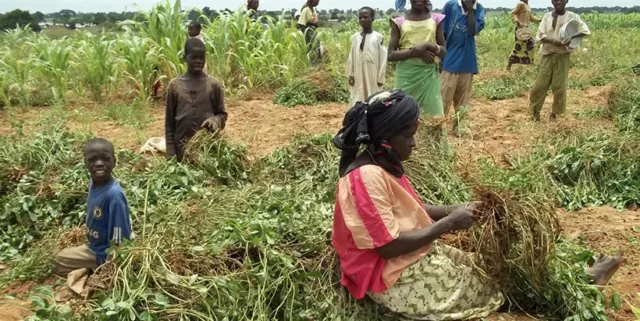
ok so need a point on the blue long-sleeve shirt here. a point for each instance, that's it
(461, 44)
(108, 218)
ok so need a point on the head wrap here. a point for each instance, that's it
(400, 4)
(373, 122)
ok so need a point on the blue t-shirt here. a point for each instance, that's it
(107, 218)
(461, 44)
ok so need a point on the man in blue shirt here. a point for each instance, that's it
(108, 216)
(464, 19)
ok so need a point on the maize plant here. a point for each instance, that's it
(18, 77)
(142, 60)
(100, 68)
(165, 26)
(53, 58)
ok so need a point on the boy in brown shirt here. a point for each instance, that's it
(194, 101)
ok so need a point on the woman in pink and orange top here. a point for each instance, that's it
(385, 237)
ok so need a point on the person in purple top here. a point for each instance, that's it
(108, 218)
(464, 19)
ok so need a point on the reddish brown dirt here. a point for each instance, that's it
(606, 230)
(14, 310)
(497, 128)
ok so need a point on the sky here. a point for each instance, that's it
(47, 6)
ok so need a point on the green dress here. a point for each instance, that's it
(419, 79)
(416, 77)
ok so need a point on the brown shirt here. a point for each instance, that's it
(522, 14)
(189, 103)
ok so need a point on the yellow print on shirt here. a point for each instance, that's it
(92, 233)
(97, 213)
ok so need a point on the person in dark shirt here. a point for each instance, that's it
(252, 9)
(194, 101)
(108, 217)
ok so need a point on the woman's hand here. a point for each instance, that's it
(460, 219)
(428, 56)
(419, 50)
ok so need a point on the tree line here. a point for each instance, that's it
(70, 19)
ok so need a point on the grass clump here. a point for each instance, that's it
(624, 104)
(320, 86)
(506, 87)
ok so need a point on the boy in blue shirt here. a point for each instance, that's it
(107, 212)
(464, 19)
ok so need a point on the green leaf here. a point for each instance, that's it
(123, 305)
(108, 304)
(615, 303)
(314, 274)
(161, 300)
(636, 311)
(146, 316)
(193, 279)
(172, 278)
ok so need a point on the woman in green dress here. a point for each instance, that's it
(417, 44)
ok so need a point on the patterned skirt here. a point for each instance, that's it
(441, 286)
(522, 51)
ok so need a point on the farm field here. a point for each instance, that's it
(240, 232)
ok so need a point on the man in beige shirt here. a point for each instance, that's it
(556, 59)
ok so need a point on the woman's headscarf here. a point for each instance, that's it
(373, 123)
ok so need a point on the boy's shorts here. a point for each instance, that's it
(73, 258)
(456, 90)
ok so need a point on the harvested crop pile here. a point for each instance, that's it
(226, 163)
(321, 85)
(514, 237)
(518, 242)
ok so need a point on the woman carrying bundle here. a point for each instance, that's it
(522, 16)
(417, 44)
(308, 23)
(386, 238)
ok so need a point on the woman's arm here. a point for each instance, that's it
(439, 212)
(411, 241)
(394, 43)
(441, 42)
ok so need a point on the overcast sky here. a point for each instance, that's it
(47, 6)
